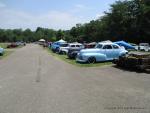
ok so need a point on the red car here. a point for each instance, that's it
(12, 45)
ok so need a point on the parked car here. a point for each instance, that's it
(102, 52)
(65, 48)
(1, 51)
(74, 50)
(144, 47)
(90, 45)
(56, 45)
(134, 60)
(12, 45)
(136, 47)
(20, 43)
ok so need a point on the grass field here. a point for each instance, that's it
(3, 45)
(6, 53)
(73, 62)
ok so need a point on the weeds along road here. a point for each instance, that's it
(33, 81)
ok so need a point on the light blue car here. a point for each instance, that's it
(1, 51)
(56, 45)
(102, 52)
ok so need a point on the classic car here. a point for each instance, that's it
(71, 46)
(74, 50)
(1, 51)
(90, 45)
(56, 45)
(20, 43)
(12, 45)
(134, 60)
(144, 47)
(63, 49)
(102, 52)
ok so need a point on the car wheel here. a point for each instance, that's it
(57, 50)
(60, 52)
(91, 60)
(75, 55)
(64, 53)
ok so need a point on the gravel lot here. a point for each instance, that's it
(33, 81)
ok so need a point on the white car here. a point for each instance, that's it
(64, 50)
(136, 47)
(144, 47)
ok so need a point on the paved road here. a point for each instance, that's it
(33, 81)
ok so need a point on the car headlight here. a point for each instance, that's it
(84, 56)
(78, 54)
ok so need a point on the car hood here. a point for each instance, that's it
(64, 47)
(89, 50)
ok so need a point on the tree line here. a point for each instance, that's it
(126, 20)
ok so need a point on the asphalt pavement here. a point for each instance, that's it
(33, 81)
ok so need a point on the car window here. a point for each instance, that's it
(64, 45)
(99, 46)
(144, 44)
(72, 45)
(115, 47)
(77, 45)
(107, 47)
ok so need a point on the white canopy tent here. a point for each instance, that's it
(107, 41)
(41, 40)
(61, 41)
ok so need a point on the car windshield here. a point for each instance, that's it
(99, 46)
(77, 45)
(72, 45)
(144, 44)
(64, 45)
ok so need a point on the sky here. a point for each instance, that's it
(53, 14)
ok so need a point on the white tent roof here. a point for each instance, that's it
(41, 40)
(61, 41)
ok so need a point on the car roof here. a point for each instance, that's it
(144, 44)
(107, 43)
(75, 43)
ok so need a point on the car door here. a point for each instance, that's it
(108, 50)
(116, 51)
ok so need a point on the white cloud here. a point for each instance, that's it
(80, 8)
(52, 19)
(2, 5)
(99, 15)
